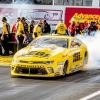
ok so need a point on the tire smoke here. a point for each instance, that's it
(93, 45)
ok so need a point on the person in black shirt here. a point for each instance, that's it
(31, 26)
(46, 28)
(77, 28)
(92, 28)
(25, 27)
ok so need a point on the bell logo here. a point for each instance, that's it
(30, 62)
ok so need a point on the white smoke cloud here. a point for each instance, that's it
(93, 45)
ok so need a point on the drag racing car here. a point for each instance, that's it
(50, 56)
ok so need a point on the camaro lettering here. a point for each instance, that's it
(29, 66)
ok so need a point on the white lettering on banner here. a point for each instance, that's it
(54, 15)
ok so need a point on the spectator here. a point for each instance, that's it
(72, 29)
(5, 36)
(77, 28)
(37, 29)
(14, 27)
(21, 33)
(92, 28)
(82, 26)
(46, 27)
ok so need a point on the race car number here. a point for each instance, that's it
(76, 57)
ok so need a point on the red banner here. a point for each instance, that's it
(88, 14)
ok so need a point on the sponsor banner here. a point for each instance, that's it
(52, 16)
(88, 14)
(37, 14)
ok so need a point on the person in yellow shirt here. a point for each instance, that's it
(20, 33)
(61, 28)
(37, 29)
(98, 25)
(5, 36)
(30, 30)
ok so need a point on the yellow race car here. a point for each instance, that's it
(50, 56)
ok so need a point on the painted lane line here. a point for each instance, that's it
(90, 96)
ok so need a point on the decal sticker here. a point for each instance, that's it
(76, 68)
(76, 56)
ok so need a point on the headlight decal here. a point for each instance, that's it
(16, 61)
(48, 62)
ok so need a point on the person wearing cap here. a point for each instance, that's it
(31, 26)
(20, 33)
(14, 26)
(5, 36)
(46, 27)
(77, 28)
(26, 27)
(92, 28)
(30, 30)
(37, 29)
(61, 28)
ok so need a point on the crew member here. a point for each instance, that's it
(31, 27)
(46, 27)
(37, 29)
(21, 33)
(98, 25)
(26, 27)
(5, 36)
(30, 30)
(61, 28)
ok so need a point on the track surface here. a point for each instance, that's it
(70, 87)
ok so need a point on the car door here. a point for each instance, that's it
(76, 53)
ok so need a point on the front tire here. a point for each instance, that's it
(65, 68)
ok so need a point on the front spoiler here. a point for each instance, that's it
(35, 75)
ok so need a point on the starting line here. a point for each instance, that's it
(6, 60)
(90, 96)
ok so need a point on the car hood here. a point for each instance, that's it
(39, 51)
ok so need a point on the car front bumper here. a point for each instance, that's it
(36, 71)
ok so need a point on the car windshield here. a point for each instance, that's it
(50, 40)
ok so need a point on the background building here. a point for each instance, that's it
(50, 10)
